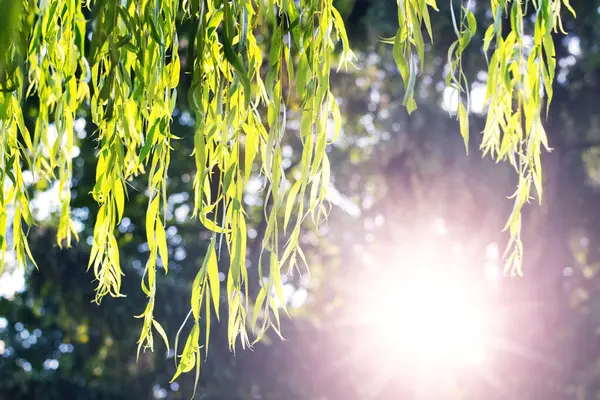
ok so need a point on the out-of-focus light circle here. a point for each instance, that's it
(492, 271)
(492, 252)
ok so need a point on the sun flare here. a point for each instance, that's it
(433, 319)
(431, 315)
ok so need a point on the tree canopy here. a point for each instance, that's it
(243, 67)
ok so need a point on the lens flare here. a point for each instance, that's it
(431, 318)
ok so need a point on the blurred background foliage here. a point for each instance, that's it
(397, 181)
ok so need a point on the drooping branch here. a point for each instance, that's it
(128, 79)
(519, 84)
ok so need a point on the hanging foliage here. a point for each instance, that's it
(128, 78)
(519, 84)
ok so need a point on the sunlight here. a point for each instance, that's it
(438, 321)
(431, 317)
(11, 283)
(12, 280)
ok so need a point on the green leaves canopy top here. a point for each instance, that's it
(128, 79)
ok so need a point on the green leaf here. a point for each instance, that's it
(162, 334)
(302, 75)
(409, 101)
(235, 60)
(151, 217)
(471, 23)
(276, 278)
(197, 292)
(260, 299)
(291, 201)
(420, 45)
(427, 21)
(463, 119)
(207, 319)
(213, 278)
(569, 7)
(161, 239)
(251, 148)
(119, 199)
(188, 357)
(487, 39)
(173, 71)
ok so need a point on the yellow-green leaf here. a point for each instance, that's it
(161, 239)
(213, 278)
(291, 201)
(463, 120)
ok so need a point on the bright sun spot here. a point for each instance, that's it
(429, 315)
(434, 320)
(11, 283)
